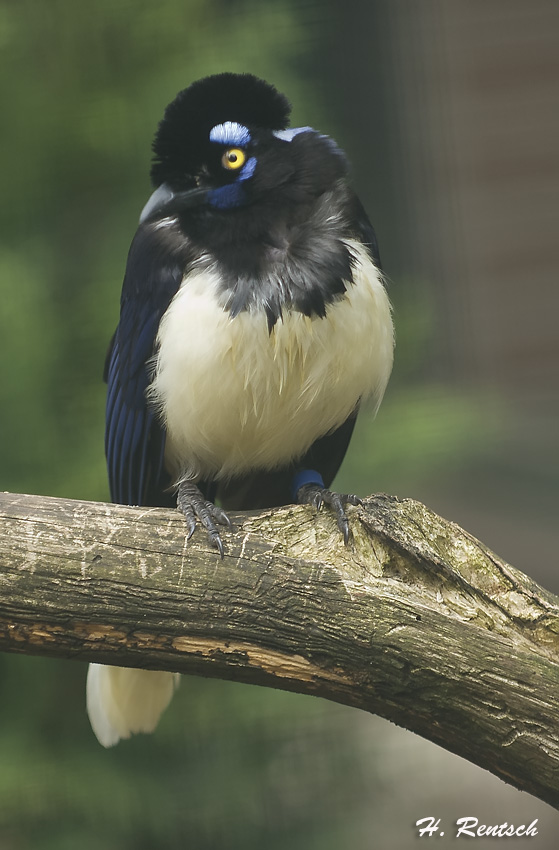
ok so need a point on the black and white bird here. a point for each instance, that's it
(254, 322)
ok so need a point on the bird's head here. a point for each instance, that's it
(223, 144)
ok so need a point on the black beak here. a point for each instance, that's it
(165, 202)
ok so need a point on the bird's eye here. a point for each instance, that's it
(233, 159)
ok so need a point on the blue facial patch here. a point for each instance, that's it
(233, 195)
(248, 169)
(227, 197)
(230, 133)
(289, 135)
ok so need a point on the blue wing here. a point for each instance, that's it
(134, 434)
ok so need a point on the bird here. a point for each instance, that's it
(254, 322)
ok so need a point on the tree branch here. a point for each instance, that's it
(416, 620)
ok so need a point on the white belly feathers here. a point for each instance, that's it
(235, 397)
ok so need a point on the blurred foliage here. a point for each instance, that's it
(425, 429)
(231, 766)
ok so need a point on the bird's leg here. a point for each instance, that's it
(192, 503)
(314, 494)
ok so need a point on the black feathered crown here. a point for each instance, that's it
(183, 134)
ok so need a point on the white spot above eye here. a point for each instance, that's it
(230, 133)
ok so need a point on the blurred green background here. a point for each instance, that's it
(446, 113)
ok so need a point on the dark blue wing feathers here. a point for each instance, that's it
(134, 435)
(144, 425)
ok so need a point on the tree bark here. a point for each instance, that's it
(415, 620)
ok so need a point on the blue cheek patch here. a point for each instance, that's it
(233, 195)
(248, 169)
(230, 133)
(227, 197)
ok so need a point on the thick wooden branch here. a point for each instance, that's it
(416, 620)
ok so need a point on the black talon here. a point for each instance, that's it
(193, 505)
(220, 515)
(191, 526)
(217, 543)
(313, 494)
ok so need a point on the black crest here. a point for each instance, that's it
(182, 136)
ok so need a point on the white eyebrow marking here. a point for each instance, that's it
(230, 133)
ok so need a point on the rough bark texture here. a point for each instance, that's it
(416, 620)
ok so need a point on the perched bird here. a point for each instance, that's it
(254, 321)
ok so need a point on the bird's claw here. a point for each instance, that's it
(313, 494)
(194, 506)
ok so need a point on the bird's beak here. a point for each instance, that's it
(165, 201)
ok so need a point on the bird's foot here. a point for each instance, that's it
(313, 494)
(192, 503)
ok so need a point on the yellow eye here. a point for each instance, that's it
(233, 159)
